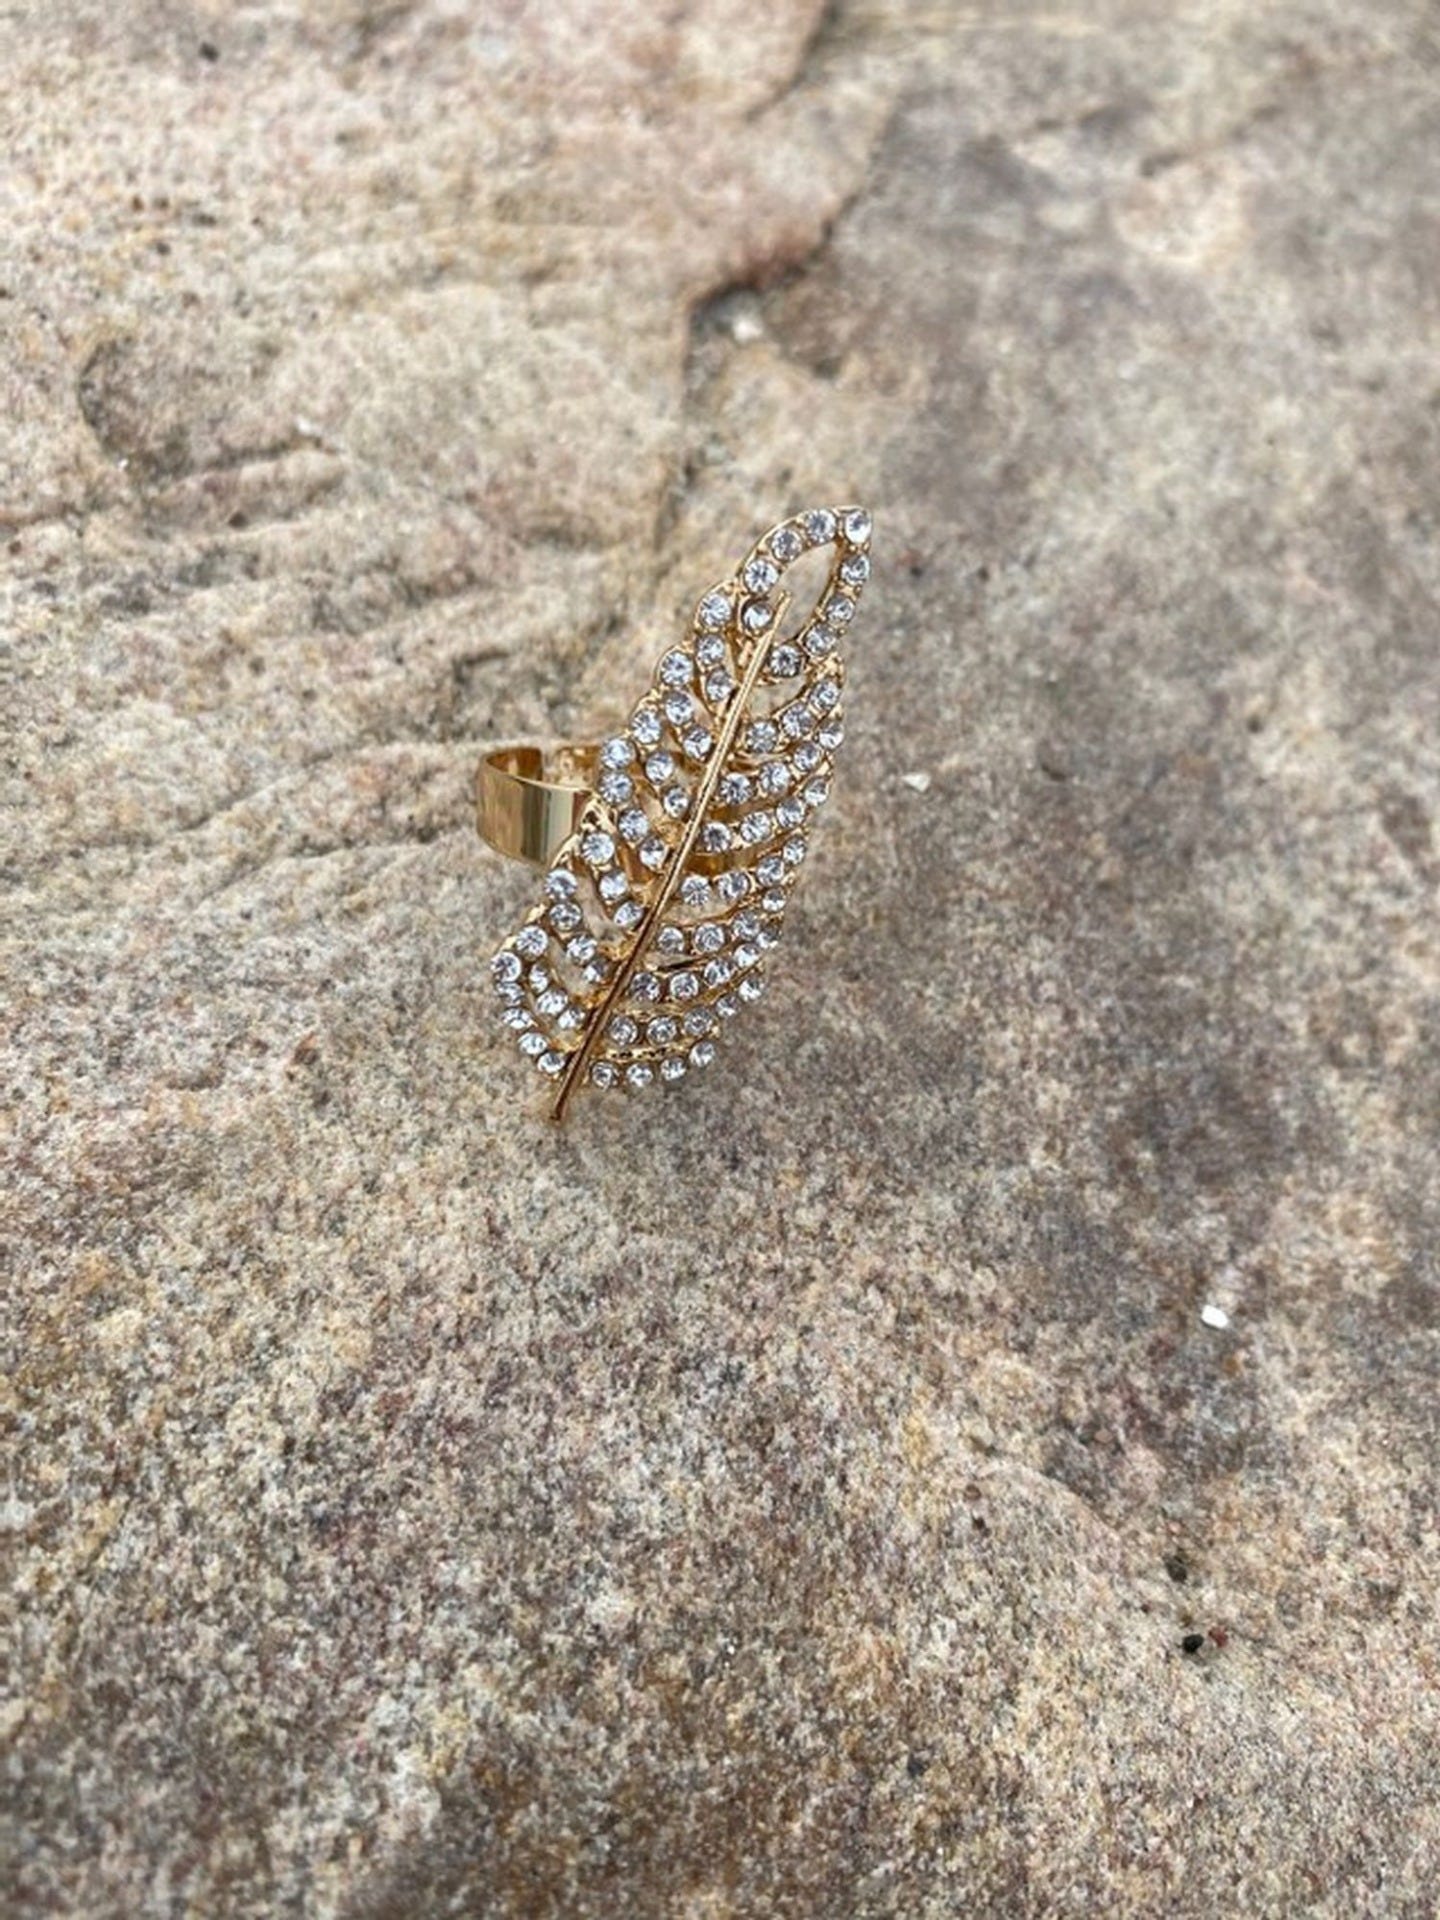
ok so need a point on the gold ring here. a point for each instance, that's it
(672, 848)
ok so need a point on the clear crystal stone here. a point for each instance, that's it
(683, 986)
(654, 853)
(596, 971)
(552, 1063)
(638, 1074)
(565, 916)
(672, 1067)
(784, 662)
(570, 1017)
(819, 526)
(676, 802)
(761, 574)
(786, 545)
(719, 971)
(538, 978)
(752, 986)
(699, 1020)
(718, 687)
(832, 735)
(714, 609)
(757, 616)
(602, 1074)
(697, 742)
(646, 726)
(675, 669)
(679, 708)
(615, 788)
(817, 792)
(857, 526)
(761, 737)
(790, 812)
(506, 994)
(747, 956)
(531, 941)
(795, 721)
(613, 886)
(702, 1053)
(818, 642)
(645, 986)
(710, 650)
(534, 1043)
(756, 827)
(794, 850)
(560, 884)
(552, 1002)
(634, 824)
(695, 890)
(628, 915)
(617, 753)
(825, 696)
(597, 849)
(841, 610)
(670, 940)
(709, 938)
(715, 837)
(774, 778)
(662, 1030)
(623, 1031)
(727, 1006)
(856, 570)
(517, 1018)
(771, 870)
(582, 948)
(733, 885)
(807, 756)
(506, 967)
(659, 768)
(734, 790)
(774, 900)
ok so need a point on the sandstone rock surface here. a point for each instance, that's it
(975, 1454)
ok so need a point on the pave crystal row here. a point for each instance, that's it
(658, 914)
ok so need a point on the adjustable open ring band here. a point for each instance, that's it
(530, 800)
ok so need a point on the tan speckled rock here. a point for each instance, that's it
(794, 1496)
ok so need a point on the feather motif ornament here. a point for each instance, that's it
(659, 913)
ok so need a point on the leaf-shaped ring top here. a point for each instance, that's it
(660, 906)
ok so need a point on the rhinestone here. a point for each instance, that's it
(718, 687)
(825, 696)
(507, 995)
(672, 1067)
(659, 768)
(710, 651)
(795, 850)
(768, 937)
(819, 526)
(734, 790)
(771, 870)
(757, 616)
(684, 986)
(718, 972)
(702, 1053)
(817, 792)
(774, 900)
(676, 802)
(856, 570)
(709, 938)
(654, 852)
(678, 708)
(661, 1031)
(857, 526)
(784, 662)
(841, 609)
(786, 545)
(552, 1002)
(714, 609)
(560, 884)
(670, 940)
(832, 735)
(752, 986)
(796, 721)
(602, 1074)
(774, 778)
(517, 1018)
(638, 1074)
(582, 948)
(727, 1006)
(623, 1030)
(756, 827)
(697, 742)
(790, 812)
(761, 575)
(747, 956)
(565, 916)
(733, 886)
(646, 726)
(695, 890)
(628, 915)
(570, 1018)
(538, 978)
(699, 1020)
(596, 971)
(807, 756)
(675, 669)
(747, 924)
(534, 1043)
(634, 824)
(531, 942)
(715, 837)
(645, 986)
(597, 849)
(613, 886)
(761, 737)
(617, 753)
(506, 968)
(818, 642)
(552, 1063)
(615, 788)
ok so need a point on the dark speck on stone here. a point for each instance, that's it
(1192, 1643)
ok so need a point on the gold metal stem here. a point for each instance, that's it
(675, 872)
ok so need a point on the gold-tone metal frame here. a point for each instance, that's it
(528, 800)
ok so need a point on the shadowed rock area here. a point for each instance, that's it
(974, 1453)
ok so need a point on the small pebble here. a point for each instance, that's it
(1214, 1316)
(917, 782)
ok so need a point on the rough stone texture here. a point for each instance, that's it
(791, 1496)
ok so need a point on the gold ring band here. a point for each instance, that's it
(529, 800)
